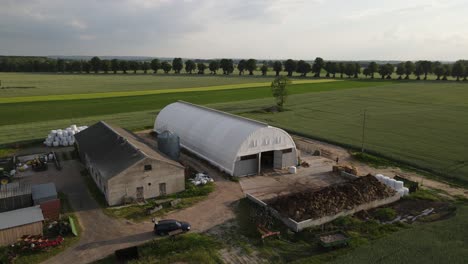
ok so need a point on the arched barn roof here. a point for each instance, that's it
(217, 136)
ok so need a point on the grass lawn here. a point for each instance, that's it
(37, 257)
(192, 195)
(439, 242)
(187, 248)
(424, 124)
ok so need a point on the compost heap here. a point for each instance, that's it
(332, 199)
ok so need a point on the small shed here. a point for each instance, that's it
(43, 193)
(15, 196)
(17, 223)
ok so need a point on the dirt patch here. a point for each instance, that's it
(332, 199)
(442, 210)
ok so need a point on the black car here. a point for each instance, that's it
(164, 227)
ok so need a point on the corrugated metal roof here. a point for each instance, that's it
(217, 136)
(21, 217)
(42, 191)
(112, 149)
(14, 189)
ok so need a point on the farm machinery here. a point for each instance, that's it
(38, 242)
(7, 170)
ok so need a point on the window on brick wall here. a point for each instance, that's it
(148, 167)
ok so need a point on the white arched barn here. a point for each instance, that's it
(236, 145)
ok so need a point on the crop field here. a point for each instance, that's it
(424, 124)
(60, 97)
(438, 242)
(26, 112)
(31, 84)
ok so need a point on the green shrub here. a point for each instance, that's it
(385, 214)
(424, 194)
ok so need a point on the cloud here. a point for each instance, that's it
(77, 24)
(300, 29)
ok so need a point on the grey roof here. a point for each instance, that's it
(21, 217)
(42, 191)
(14, 189)
(112, 149)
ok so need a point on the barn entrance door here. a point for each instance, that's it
(162, 188)
(139, 194)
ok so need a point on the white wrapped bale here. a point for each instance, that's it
(401, 192)
(393, 183)
(399, 185)
(380, 178)
(405, 191)
(292, 170)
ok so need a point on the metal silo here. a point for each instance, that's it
(168, 143)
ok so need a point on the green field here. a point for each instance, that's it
(438, 242)
(422, 123)
(24, 112)
(101, 95)
(47, 84)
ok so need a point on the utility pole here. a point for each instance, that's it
(363, 130)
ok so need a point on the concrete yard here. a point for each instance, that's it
(270, 185)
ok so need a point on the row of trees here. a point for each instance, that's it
(421, 69)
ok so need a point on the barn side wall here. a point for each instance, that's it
(289, 159)
(246, 167)
(11, 235)
(15, 202)
(125, 184)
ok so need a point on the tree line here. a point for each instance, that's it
(421, 69)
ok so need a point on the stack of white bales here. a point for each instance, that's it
(63, 137)
(394, 184)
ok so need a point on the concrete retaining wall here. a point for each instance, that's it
(287, 221)
(298, 226)
(348, 176)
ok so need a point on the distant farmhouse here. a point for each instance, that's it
(125, 168)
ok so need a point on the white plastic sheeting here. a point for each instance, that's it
(219, 137)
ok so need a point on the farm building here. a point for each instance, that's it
(124, 168)
(45, 195)
(17, 223)
(236, 145)
(15, 196)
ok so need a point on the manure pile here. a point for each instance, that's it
(332, 199)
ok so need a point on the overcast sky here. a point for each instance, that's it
(269, 29)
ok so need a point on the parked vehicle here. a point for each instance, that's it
(166, 227)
